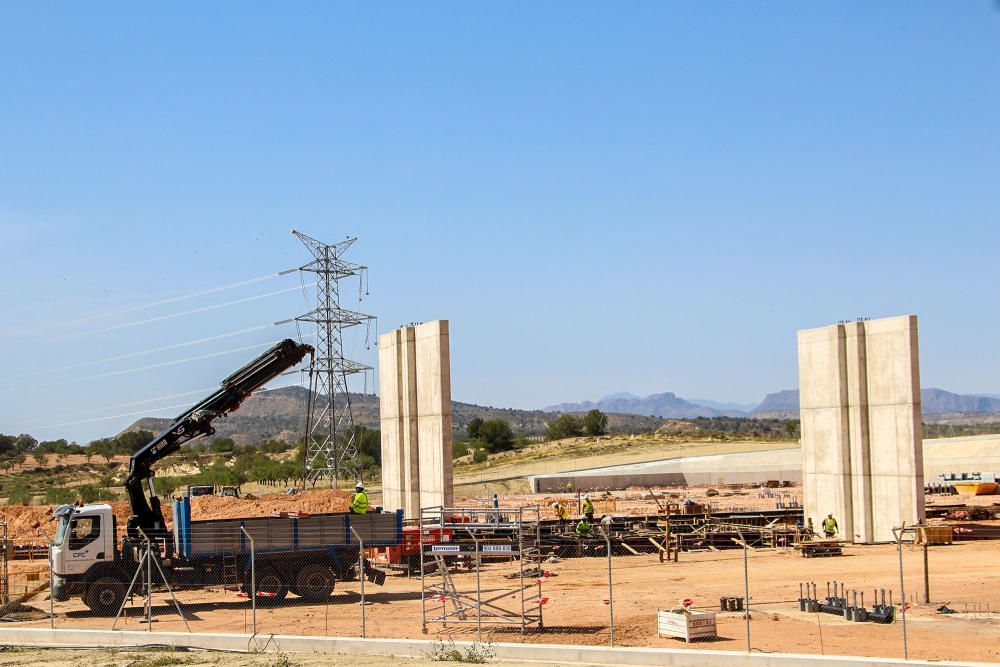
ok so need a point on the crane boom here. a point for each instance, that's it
(195, 423)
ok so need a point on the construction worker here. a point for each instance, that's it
(360, 503)
(588, 508)
(561, 512)
(808, 532)
(583, 529)
(829, 526)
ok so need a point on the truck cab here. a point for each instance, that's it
(85, 537)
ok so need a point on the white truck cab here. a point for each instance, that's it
(85, 536)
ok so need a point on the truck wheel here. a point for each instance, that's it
(314, 582)
(104, 596)
(271, 588)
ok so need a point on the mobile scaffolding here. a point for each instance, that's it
(469, 536)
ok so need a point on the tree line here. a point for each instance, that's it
(219, 462)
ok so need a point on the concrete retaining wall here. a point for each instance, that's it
(550, 653)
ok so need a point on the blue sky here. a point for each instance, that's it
(629, 196)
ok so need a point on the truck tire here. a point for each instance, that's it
(105, 595)
(271, 588)
(314, 582)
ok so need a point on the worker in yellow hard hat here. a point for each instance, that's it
(360, 503)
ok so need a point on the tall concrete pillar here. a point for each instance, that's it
(415, 417)
(434, 413)
(862, 451)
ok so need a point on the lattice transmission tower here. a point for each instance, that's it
(331, 443)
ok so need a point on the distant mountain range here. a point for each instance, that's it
(280, 413)
(666, 405)
(779, 405)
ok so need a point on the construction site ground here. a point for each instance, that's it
(963, 576)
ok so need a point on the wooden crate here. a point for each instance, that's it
(686, 624)
(935, 535)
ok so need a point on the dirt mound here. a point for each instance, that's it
(34, 524)
(312, 502)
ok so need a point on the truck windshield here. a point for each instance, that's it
(61, 531)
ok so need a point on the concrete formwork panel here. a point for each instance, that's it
(826, 467)
(894, 415)
(861, 439)
(408, 424)
(433, 382)
(415, 406)
(390, 415)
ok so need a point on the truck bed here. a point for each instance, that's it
(270, 534)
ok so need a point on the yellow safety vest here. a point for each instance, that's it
(583, 528)
(360, 503)
(588, 507)
(830, 525)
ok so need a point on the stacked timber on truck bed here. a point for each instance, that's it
(315, 531)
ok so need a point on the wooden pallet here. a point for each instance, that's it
(819, 548)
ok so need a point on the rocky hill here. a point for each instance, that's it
(280, 413)
(666, 405)
(779, 405)
(934, 401)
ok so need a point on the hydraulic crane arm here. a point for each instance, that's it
(197, 422)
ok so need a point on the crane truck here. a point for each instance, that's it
(304, 555)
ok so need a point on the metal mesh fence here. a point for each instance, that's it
(737, 583)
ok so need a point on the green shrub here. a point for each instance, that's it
(57, 495)
(564, 426)
(497, 435)
(479, 455)
(90, 493)
(19, 495)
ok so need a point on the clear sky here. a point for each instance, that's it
(600, 197)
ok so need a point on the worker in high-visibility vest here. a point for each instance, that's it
(588, 508)
(360, 503)
(561, 512)
(829, 526)
(583, 529)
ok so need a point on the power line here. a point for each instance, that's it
(131, 403)
(152, 304)
(167, 363)
(148, 410)
(190, 312)
(124, 414)
(184, 297)
(131, 355)
(171, 363)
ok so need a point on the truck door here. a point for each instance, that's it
(87, 541)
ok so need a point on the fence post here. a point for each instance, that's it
(927, 576)
(746, 587)
(149, 582)
(611, 591)
(253, 579)
(898, 534)
(479, 594)
(52, 581)
(361, 576)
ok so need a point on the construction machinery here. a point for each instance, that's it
(301, 554)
